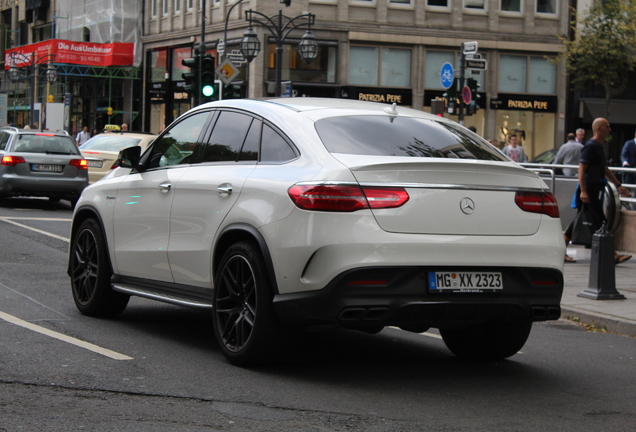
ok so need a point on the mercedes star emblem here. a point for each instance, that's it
(467, 206)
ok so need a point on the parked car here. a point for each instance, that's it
(102, 150)
(42, 164)
(547, 157)
(315, 213)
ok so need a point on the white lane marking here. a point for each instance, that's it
(33, 300)
(71, 340)
(11, 221)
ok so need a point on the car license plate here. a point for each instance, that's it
(465, 282)
(47, 168)
(95, 164)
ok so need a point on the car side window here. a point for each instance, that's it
(249, 151)
(274, 148)
(227, 138)
(177, 146)
(4, 138)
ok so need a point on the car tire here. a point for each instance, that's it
(91, 271)
(245, 325)
(489, 341)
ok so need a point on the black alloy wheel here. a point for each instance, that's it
(244, 322)
(91, 272)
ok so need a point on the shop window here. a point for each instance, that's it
(389, 67)
(534, 130)
(158, 65)
(547, 6)
(526, 74)
(511, 5)
(542, 76)
(179, 54)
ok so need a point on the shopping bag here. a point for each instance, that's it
(586, 223)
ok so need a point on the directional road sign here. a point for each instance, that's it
(476, 64)
(447, 75)
(469, 47)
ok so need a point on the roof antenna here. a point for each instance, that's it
(392, 111)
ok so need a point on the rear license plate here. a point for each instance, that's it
(95, 164)
(465, 282)
(47, 168)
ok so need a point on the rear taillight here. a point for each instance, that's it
(346, 198)
(538, 202)
(81, 164)
(12, 160)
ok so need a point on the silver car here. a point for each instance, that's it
(42, 164)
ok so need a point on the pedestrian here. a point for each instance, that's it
(83, 136)
(569, 154)
(593, 175)
(124, 127)
(514, 151)
(472, 129)
(628, 158)
(580, 136)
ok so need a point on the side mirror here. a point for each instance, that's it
(128, 157)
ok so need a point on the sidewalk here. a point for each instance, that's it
(617, 316)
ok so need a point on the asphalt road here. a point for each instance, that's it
(157, 368)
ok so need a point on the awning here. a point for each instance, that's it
(71, 52)
(621, 112)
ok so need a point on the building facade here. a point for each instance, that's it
(70, 63)
(383, 50)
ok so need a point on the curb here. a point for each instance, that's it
(611, 323)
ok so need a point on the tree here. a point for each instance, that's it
(603, 52)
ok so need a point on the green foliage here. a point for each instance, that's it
(604, 47)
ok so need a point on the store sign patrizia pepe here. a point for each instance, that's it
(400, 96)
(525, 103)
(81, 53)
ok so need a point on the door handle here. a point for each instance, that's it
(224, 189)
(165, 187)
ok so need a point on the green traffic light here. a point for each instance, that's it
(207, 90)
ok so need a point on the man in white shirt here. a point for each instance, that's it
(83, 136)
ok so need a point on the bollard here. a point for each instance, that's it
(602, 283)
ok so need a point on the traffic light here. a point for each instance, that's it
(437, 107)
(234, 91)
(210, 88)
(190, 78)
(451, 97)
(474, 105)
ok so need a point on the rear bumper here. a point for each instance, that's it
(404, 300)
(62, 187)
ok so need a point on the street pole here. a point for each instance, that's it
(201, 53)
(32, 81)
(460, 91)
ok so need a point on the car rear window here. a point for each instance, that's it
(112, 143)
(45, 143)
(402, 136)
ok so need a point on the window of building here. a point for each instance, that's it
(434, 62)
(438, 3)
(475, 4)
(190, 4)
(542, 77)
(153, 8)
(164, 7)
(320, 70)
(511, 5)
(526, 74)
(177, 6)
(547, 6)
(179, 54)
(362, 2)
(372, 66)
(401, 2)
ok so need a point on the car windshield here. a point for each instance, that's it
(402, 136)
(113, 143)
(45, 143)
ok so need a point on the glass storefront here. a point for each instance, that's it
(535, 130)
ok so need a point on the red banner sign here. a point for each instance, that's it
(81, 53)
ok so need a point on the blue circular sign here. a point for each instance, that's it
(447, 75)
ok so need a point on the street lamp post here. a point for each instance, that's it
(279, 26)
(29, 65)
